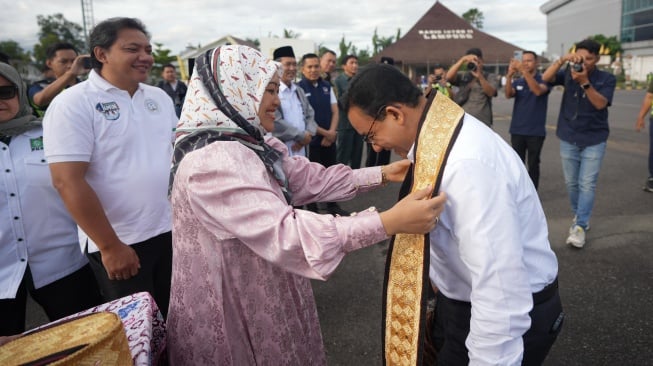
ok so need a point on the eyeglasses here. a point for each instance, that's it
(8, 91)
(369, 136)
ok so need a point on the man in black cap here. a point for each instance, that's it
(476, 88)
(294, 122)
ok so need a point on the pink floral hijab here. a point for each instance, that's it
(222, 102)
(242, 74)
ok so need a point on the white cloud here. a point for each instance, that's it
(178, 23)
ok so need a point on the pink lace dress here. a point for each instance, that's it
(243, 257)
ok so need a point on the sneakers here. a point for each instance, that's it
(573, 223)
(648, 186)
(576, 236)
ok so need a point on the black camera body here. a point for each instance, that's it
(87, 62)
(471, 66)
(577, 67)
(438, 77)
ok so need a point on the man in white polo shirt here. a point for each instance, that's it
(108, 141)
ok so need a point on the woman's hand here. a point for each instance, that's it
(396, 172)
(414, 214)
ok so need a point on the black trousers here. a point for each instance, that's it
(529, 149)
(325, 155)
(66, 296)
(451, 328)
(376, 158)
(155, 255)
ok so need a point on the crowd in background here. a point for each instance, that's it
(90, 212)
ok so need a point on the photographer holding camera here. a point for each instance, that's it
(527, 125)
(66, 66)
(438, 80)
(476, 87)
(582, 128)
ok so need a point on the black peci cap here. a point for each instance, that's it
(284, 51)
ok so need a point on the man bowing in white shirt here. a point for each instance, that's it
(490, 257)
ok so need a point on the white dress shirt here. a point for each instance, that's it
(293, 113)
(35, 227)
(491, 245)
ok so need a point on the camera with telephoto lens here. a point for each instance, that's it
(577, 67)
(471, 66)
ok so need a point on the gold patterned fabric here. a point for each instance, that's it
(95, 339)
(407, 265)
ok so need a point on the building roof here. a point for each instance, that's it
(228, 39)
(442, 37)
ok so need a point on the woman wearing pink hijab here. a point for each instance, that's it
(243, 257)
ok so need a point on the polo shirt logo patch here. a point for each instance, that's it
(36, 144)
(151, 105)
(325, 89)
(110, 110)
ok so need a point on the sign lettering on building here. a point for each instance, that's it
(443, 34)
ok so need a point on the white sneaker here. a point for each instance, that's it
(574, 223)
(576, 236)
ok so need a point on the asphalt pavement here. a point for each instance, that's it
(605, 287)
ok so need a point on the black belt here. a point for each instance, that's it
(546, 293)
(539, 297)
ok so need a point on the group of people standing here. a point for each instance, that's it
(582, 125)
(220, 240)
(85, 191)
(309, 120)
(90, 200)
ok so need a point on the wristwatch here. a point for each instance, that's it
(586, 86)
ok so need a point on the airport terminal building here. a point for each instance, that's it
(569, 21)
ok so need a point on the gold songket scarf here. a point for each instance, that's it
(407, 265)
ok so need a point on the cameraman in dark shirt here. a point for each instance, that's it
(582, 128)
(66, 66)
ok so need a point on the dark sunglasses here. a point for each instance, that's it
(8, 91)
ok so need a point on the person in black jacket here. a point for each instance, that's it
(176, 89)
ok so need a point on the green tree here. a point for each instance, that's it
(254, 41)
(289, 33)
(474, 17)
(379, 43)
(321, 48)
(364, 56)
(161, 56)
(14, 51)
(55, 28)
(345, 49)
(610, 45)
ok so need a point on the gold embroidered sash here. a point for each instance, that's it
(407, 264)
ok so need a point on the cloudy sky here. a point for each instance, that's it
(182, 22)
